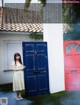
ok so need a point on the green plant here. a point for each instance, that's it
(36, 36)
(70, 13)
(71, 16)
(27, 3)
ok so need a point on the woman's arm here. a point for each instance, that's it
(18, 67)
(14, 67)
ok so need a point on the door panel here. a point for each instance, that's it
(69, 61)
(29, 48)
(72, 65)
(40, 61)
(73, 80)
(77, 61)
(30, 62)
(72, 88)
(42, 84)
(36, 71)
(33, 86)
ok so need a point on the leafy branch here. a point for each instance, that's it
(27, 3)
(36, 36)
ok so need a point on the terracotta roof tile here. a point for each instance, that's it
(21, 20)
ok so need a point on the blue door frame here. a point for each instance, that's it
(35, 58)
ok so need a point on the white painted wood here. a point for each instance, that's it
(10, 48)
(53, 34)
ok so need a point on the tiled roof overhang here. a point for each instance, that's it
(20, 20)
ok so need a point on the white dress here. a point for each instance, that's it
(18, 76)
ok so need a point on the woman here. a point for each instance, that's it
(18, 76)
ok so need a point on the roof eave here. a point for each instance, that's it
(15, 33)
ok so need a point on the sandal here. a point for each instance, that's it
(21, 98)
(17, 98)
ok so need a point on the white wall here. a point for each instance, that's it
(14, 1)
(17, 1)
(0, 3)
(53, 34)
(54, 1)
(6, 77)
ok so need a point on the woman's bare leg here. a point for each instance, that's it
(20, 95)
(18, 92)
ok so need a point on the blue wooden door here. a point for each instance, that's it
(36, 72)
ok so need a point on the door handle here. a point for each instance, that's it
(36, 72)
(35, 52)
(73, 70)
(39, 72)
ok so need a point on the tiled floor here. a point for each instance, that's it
(11, 96)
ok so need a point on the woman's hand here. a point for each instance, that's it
(21, 67)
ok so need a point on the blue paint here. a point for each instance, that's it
(11, 96)
(35, 59)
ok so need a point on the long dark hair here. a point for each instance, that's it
(15, 55)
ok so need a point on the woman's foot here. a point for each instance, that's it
(20, 97)
(17, 98)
